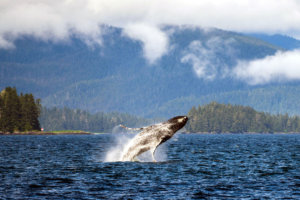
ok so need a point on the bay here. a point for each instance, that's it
(191, 166)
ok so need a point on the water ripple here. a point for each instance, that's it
(196, 167)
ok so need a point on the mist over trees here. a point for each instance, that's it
(18, 113)
(227, 118)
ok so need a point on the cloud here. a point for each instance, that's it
(283, 66)
(205, 59)
(155, 42)
(62, 19)
(47, 20)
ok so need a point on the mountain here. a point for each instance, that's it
(55, 119)
(282, 41)
(272, 99)
(116, 77)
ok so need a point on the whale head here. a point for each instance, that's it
(177, 122)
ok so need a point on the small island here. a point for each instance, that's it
(227, 118)
(18, 113)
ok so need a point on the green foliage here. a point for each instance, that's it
(272, 99)
(68, 132)
(18, 113)
(227, 118)
(30, 112)
(53, 119)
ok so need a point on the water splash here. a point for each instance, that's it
(115, 153)
(117, 129)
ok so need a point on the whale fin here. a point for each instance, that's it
(131, 129)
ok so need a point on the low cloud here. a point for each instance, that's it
(141, 20)
(216, 58)
(155, 42)
(283, 66)
(205, 57)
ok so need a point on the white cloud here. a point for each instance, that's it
(5, 44)
(282, 66)
(155, 42)
(203, 56)
(58, 19)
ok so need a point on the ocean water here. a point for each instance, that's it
(223, 166)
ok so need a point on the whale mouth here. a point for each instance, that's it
(183, 119)
(178, 120)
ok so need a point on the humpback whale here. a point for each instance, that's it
(151, 137)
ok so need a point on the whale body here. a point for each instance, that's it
(151, 137)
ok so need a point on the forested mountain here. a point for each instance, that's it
(274, 99)
(221, 118)
(116, 76)
(54, 119)
(283, 41)
(18, 113)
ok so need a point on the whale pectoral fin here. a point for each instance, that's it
(131, 129)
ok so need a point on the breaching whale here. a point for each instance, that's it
(151, 137)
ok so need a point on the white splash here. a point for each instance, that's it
(114, 154)
(123, 141)
(117, 129)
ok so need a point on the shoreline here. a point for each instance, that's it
(89, 133)
(215, 133)
(49, 133)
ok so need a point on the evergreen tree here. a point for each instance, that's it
(18, 113)
(30, 112)
(1, 112)
(74, 119)
(11, 111)
(217, 118)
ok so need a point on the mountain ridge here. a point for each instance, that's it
(116, 76)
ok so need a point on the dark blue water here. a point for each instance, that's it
(195, 167)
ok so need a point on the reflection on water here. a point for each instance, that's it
(193, 167)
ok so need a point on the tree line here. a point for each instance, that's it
(18, 113)
(227, 118)
(75, 119)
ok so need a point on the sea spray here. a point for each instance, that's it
(114, 154)
(123, 141)
(118, 129)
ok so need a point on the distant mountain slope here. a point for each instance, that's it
(283, 41)
(116, 77)
(55, 119)
(272, 99)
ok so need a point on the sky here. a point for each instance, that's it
(144, 20)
